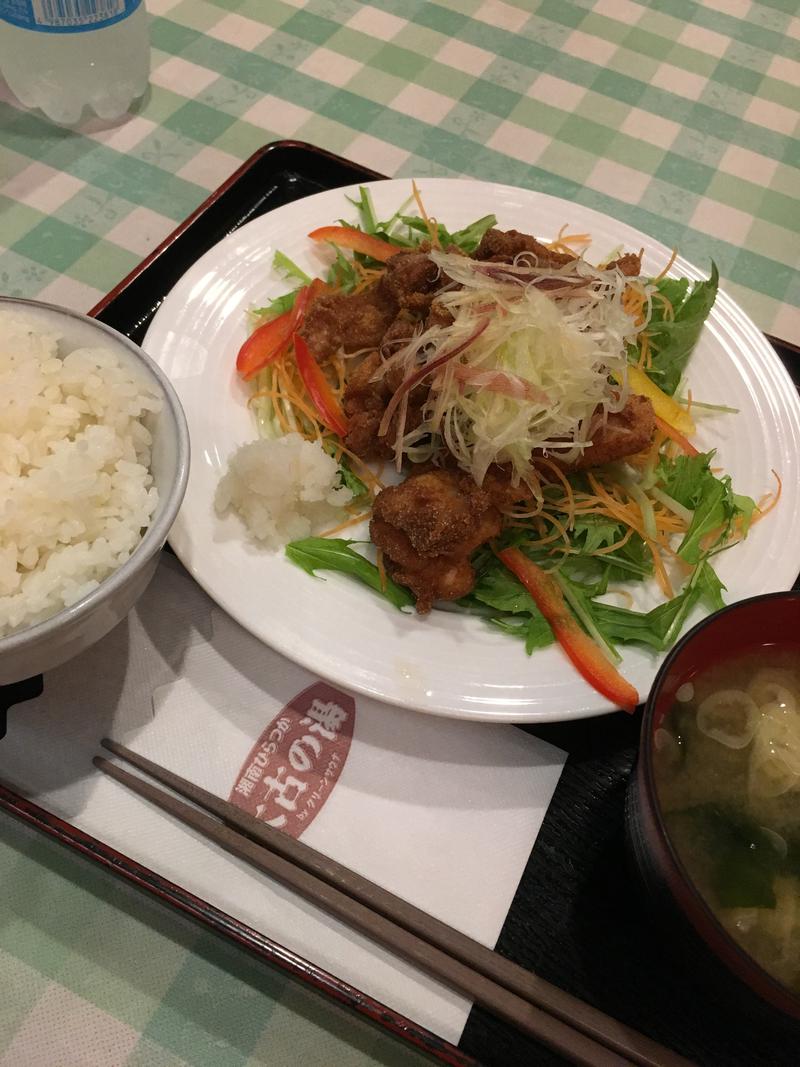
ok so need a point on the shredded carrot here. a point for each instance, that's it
(557, 535)
(589, 506)
(366, 472)
(623, 513)
(381, 569)
(634, 300)
(558, 525)
(369, 476)
(713, 536)
(668, 312)
(280, 414)
(570, 496)
(661, 574)
(618, 493)
(291, 392)
(666, 523)
(769, 500)
(617, 544)
(345, 525)
(658, 443)
(564, 240)
(369, 276)
(600, 551)
(429, 222)
(670, 261)
(644, 351)
(683, 443)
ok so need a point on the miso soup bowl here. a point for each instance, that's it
(751, 624)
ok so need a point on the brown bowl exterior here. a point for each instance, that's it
(744, 627)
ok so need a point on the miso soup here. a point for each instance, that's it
(727, 769)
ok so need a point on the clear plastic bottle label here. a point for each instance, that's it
(65, 16)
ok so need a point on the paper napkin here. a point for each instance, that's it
(442, 812)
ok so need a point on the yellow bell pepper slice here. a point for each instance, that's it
(664, 406)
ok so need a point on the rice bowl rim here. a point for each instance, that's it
(170, 497)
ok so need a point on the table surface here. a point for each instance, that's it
(679, 118)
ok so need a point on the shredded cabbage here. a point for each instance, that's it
(539, 360)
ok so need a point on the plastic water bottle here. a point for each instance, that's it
(67, 55)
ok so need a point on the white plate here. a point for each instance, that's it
(445, 664)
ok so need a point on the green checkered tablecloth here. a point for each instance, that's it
(96, 974)
(675, 116)
(678, 117)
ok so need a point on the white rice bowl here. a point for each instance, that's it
(76, 490)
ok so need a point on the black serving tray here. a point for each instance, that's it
(273, 176)
(580, 918)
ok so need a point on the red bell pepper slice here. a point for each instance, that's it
(356, 241)
(581, 649)
(271, 340)
(319, 390)
(264, 345)
(682, 442)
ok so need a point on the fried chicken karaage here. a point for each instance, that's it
(428, 526)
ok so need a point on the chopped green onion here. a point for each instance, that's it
(646, 508)
(576, 602)
(723, 408)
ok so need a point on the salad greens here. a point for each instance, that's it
(714, 506)
(404, 231)
(601, 550)
(585, 577)
(673, 338)
(287, 268)
(351, 481)
(335, 554)
(348, 479)
(409, 231)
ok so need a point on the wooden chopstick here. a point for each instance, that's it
(556, 1018)
(547, 1029)
(623, 1039)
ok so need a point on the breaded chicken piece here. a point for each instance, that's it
(501, 489)
(629, 264)
(427, 528)
(413, 279)
(502, 246)
(350, 322)
(365, 402)
(624, 434)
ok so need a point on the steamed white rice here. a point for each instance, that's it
(282, 489)
(75, 485)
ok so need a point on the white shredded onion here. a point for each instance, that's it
(546, 370)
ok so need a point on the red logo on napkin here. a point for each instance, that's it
(294, 765)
